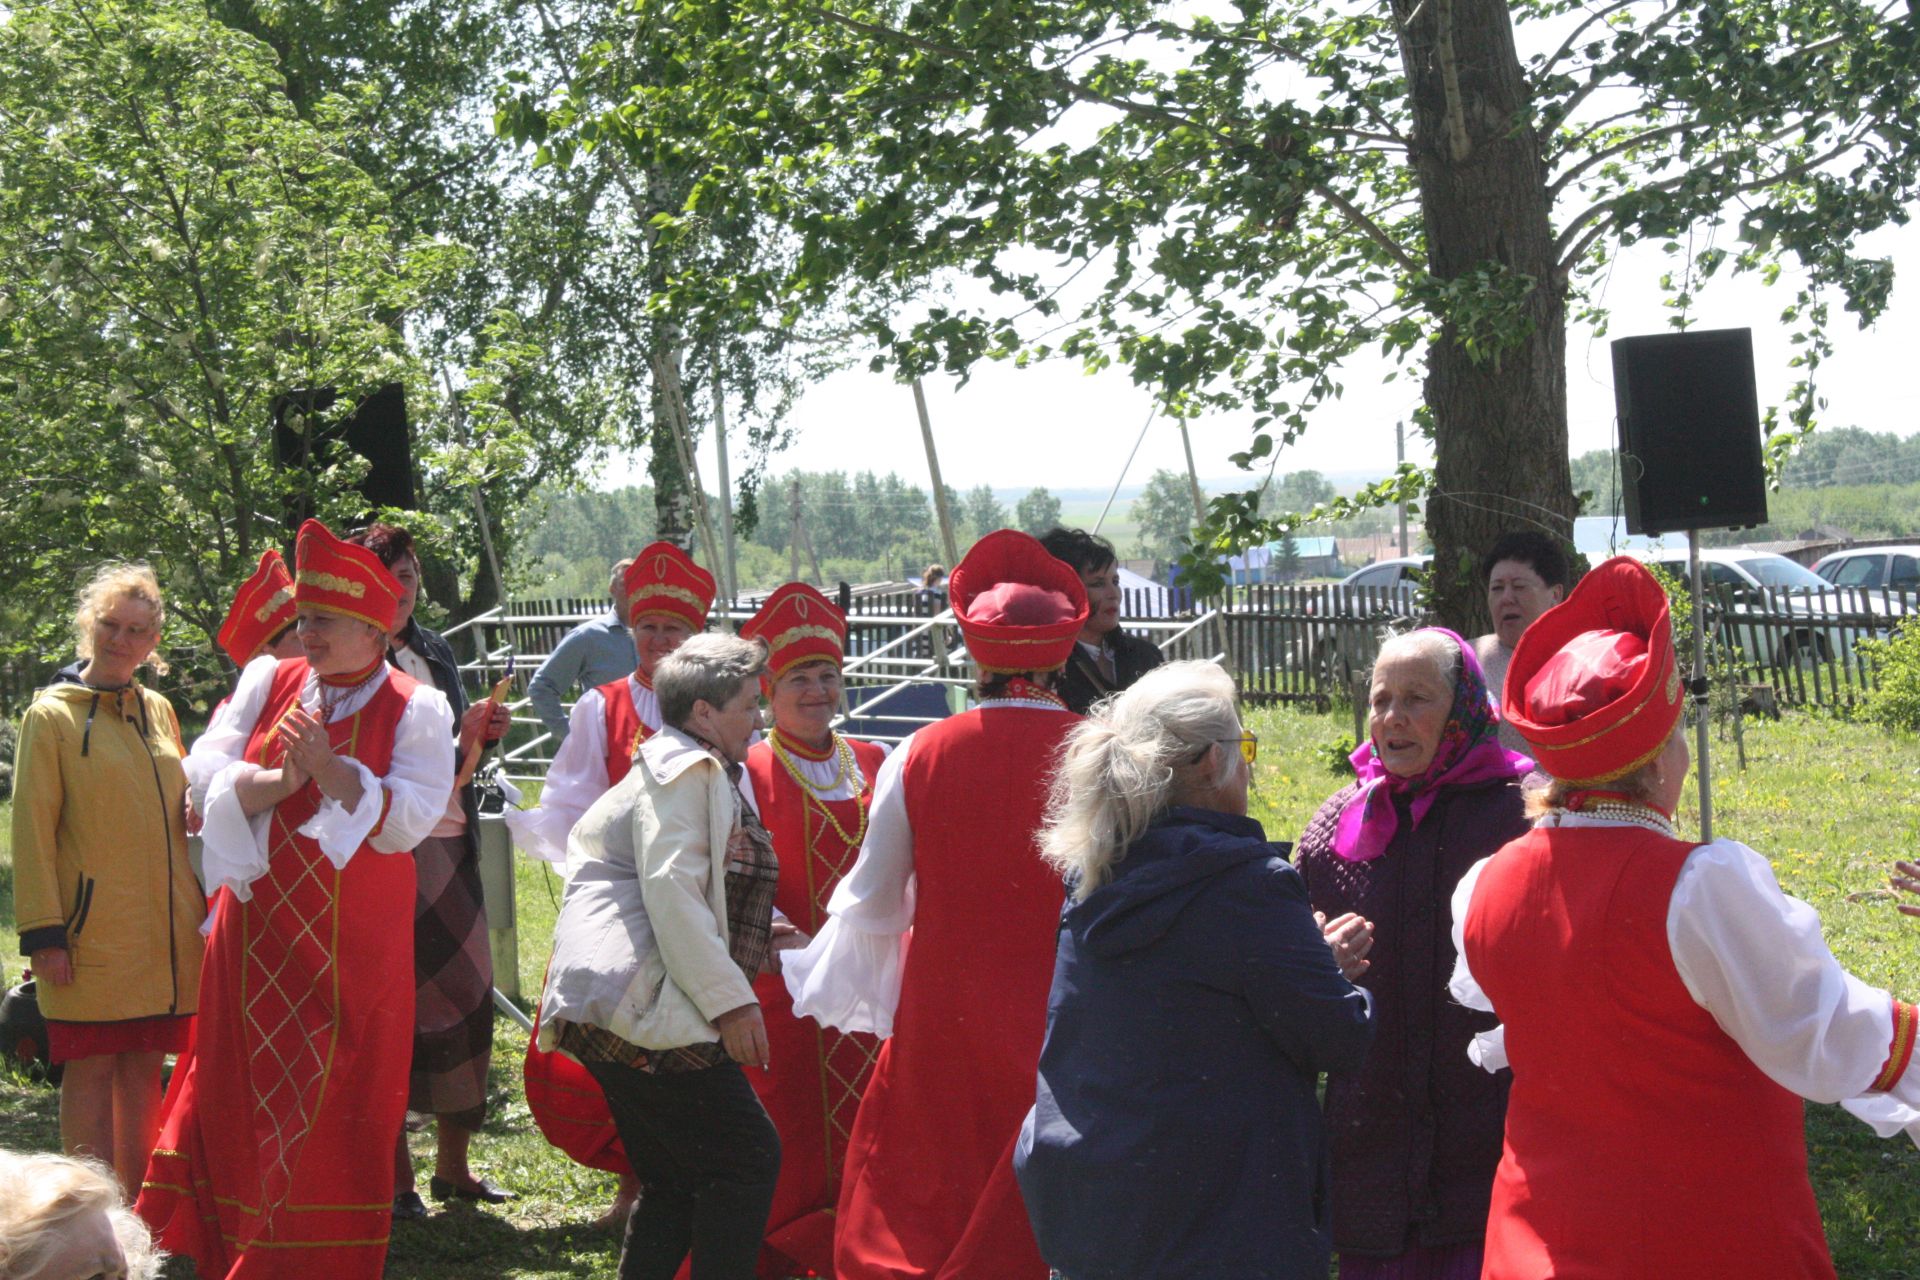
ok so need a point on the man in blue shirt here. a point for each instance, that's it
(588, 656)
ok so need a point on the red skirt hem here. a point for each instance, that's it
(164, 1033)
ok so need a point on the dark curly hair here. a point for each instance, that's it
(388, 541)
(1086, 552)
(1544, 555)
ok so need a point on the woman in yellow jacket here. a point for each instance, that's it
(107, 907)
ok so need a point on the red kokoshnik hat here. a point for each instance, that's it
(1593, 686)
(262, 608)
(1018, 607)
(798, 625)
(664, 579)
(338, 577)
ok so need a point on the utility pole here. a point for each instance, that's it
(1199, 517)
(812, 558)
(1400, 455)
(793, 542)
(939, 486)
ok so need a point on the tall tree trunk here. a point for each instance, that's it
(1499, 417)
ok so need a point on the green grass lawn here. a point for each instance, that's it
(1832, 804)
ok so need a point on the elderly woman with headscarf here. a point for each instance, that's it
(279, 1126)
(1664, 1007)
(1194, 1006)
(105, 898)
(1415, 1129)
(667, 920)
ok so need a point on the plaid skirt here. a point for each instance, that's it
(453, 979)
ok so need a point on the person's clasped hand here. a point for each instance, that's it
(786, 936)
(743, 1034)
(1350, 937)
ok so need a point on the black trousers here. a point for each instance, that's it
(707, 1156)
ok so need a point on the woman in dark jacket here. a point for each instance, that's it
(1416, 1129)
(1108, 657)
(1194, 1005)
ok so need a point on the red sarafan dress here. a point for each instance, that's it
(815, 807)
(275, 1155)
(1641, 1140)
(951, 851)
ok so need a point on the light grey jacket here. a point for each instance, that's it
(641, 944)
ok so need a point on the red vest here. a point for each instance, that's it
(929, 1187)
(625, 729)
(1641, 1142)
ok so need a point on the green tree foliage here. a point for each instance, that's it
(1895, 702)
(1038, 512)
(984, 511)
(546, 331)
(1852, 456)
(1597, 482)
(177, 246)
(1231, 201)
(1164, 515)
(1297, 492)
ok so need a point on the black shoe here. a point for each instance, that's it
(482, 1190)
(409, 1207)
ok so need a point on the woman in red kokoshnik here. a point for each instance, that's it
(276, 1146)
(1664, 1006)
(811, 787)
(667, 599)
(951, 853)
(668, 596)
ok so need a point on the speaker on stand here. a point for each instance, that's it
(1690, 459)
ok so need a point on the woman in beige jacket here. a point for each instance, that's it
(106, 904)
(667, 920)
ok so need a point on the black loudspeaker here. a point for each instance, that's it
(1689, 431)
(305, 436)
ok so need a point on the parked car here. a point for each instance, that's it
(1895, 568)
(1362, 608)
(1781, 612)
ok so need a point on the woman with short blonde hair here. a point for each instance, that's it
(111, 582)
(1195, 1002)
(107, 906)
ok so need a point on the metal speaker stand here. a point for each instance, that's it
(1698, 686)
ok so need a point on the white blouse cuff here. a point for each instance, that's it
(1886, 1115)
(541, 832)
(1488, 1049)
(847, 978)
(233, 846)
(340, 831)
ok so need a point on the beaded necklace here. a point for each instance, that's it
(1614, 806)
(1023, 690)
(845, 774)
(336, 690)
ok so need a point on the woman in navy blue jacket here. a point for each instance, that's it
(1195, 1003)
